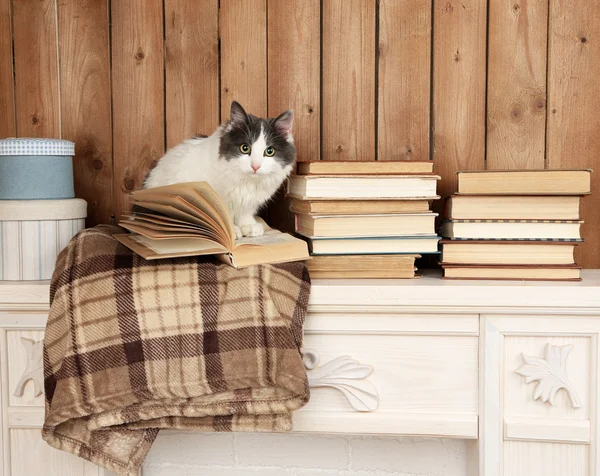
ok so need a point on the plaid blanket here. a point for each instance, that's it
(132, 346)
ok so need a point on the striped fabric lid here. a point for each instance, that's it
(35, 146)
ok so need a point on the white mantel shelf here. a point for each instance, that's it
(513, 366)
(429, 291)
(432, 291)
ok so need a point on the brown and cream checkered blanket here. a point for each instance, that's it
(132, 346)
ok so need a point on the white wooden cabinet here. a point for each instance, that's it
(475, 360)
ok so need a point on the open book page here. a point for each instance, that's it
(198, 195)
(159, 220)
(171, 211)
(158, 232)
(272, 247)
(153, 249)
(191, 219)
(181, 204)
(275, 247)
(271, 237)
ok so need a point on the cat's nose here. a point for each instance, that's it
(255, 167)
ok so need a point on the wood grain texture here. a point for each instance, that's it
(546, 459)
(86, 101)
(573, 140)
(7, 91)
(138, 88)
(243, 27)
(30, 454)
(516, 121)
(348, 88)
(294, 53)
(191, 68)
(445, 387)
(37, 100)
(404, 79)
(294, 69)
(459, 44)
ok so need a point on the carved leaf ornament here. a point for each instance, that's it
(345, 375)
(550, 373)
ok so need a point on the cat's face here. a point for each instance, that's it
(258, 147)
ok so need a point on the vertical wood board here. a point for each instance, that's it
(86, 101)
(138, 88)
(348, 88)
(294, 69)
(243, 27)
(404, 79)
(191, 68)
(573, 138)
(37, 100)
(294, 52)
(7, 92)
(459, 48)
(516, 122)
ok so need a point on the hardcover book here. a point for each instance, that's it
(524, 182)
(356, 266)
(512, 207)
(360, 187)
(507, 252)
(358, 207)
(502, 272)
(366, 225)
(191, 219)
(380, 167)
(374, 245)
(539, 230)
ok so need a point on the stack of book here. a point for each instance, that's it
(521, 224)
(365, 219)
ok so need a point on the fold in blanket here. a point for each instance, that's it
(132, 346)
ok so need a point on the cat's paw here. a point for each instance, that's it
(254, 229)
(238, 232)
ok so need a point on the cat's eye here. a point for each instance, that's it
(270, 151)
(245, 148)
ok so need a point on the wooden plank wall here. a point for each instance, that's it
(468, 84)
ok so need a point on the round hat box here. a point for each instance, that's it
(34, 232)
(36, 169)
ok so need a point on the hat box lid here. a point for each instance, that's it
(36, 146)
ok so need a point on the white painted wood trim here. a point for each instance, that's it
(5, 399)
(433, 292)
(594, 402)
(430, 295)
(547, 430)
(25, 417)
(24, 293)
(353, 323)
(424, 424)
(490, 400)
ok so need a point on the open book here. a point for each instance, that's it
(191, 219)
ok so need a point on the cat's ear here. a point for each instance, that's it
(284, 122)
(238, 115)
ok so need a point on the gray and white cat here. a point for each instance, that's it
(245, 160)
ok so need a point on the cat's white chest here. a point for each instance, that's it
(248, 195)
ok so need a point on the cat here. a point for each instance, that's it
(245, 160)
